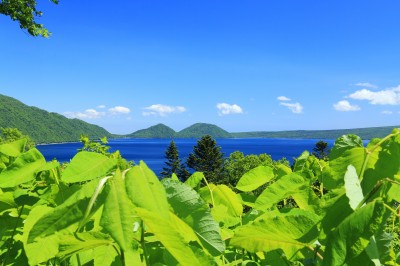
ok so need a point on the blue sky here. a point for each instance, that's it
(243, 65)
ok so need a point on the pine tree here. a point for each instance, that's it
(207, 158)
(173, 163)
(321, 150)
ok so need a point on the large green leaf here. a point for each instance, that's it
(42, 249)
(189, 207)
(383, 162)
(307, 200)
(353, 187)
(172, 239)
(70, 212)
(13, 149)
(291, 232)
(255, 178)
(87, 166)
(145, 190)
(118, 216)
(353, 234)
(194, 179)
(279, 190)
(22, 170)
(347, 150)
(301, 162)
(227, 205)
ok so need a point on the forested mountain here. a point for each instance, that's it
(43, 126)
(200, 129)
(194, 131)
(158, 131)
(364, 133)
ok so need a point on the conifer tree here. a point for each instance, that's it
(173, 163)
(207, 158)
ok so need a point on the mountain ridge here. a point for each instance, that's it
(43, 126)
(48, 127)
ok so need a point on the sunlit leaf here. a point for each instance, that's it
(87, 166)
(255, 178)
(23, 169)
(145, 190)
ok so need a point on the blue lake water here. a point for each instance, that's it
(152, 151)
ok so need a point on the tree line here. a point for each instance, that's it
(208, 158)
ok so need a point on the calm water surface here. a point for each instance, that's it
(152, 151)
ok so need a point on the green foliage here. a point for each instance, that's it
(200, 129)
(42, 126)
(173, 163)
(321, 150)
(207, 158)
(95, 212)
(159, 131)
(365, 133)
(25, 12)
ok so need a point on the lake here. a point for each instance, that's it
(152, 151)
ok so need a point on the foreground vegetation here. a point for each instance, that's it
(101, 210)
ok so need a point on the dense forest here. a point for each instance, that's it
(43, 126)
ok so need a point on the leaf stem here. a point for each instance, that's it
(92, 201)
(211, 194)
(144, 245)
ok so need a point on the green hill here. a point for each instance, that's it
(157, 131)
(43, 126)
(200, 129)
(364, 133)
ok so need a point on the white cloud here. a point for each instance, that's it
(386, 112)
(383, 97)
(101, 106)
(345, 106)
(119, 110)
(163, 110)
(87, 114)
(296, 108)
(366, 85)
(283, 98)
(228, 109)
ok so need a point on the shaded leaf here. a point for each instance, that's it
(353, 234)
(279, 190)
(188, 206)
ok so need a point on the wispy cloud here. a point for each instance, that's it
(119, 110)
(162, 110)
(366, 85)
(94, 114)
(296, 108)
(87, 114)
(101, 106)
(228, 109)
(390, 96)
(283, 99)
(386, 112)
(345, 106)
